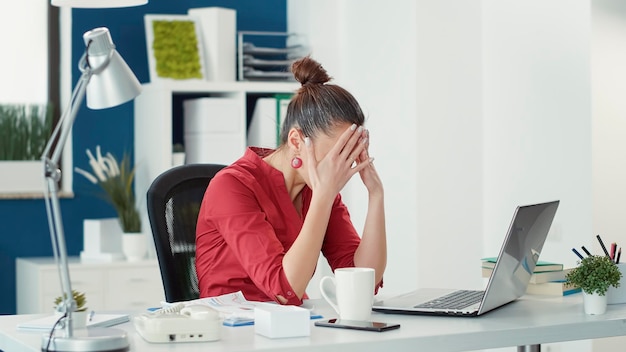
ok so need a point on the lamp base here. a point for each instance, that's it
(90, 339)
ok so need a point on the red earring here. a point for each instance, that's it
(296, 162)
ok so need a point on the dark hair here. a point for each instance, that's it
(318, 106)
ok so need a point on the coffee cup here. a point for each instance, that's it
(354, 292)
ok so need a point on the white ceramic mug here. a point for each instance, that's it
(354, 289)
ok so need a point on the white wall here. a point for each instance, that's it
(475, 107)
(609, 128)
(24, 59)
(537, 137)
(378, 69)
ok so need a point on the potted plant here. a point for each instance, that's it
(594, 275)
(79, 314)
(116, 179)
(24, 132)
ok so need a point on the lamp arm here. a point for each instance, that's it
(52, 174)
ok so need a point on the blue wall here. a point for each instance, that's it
(24, 229)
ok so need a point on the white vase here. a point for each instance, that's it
(178, 159)
(79, 319)
(594, 304)
(134, 246)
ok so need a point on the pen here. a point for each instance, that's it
(602, 245)
(613, 245)
(619, 254)
(586, 251)
(577, 253)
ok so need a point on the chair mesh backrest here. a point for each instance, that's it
(173, 201)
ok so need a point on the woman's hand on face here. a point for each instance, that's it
(368, 174)
(341, 162)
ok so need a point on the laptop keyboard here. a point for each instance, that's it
(455, 300)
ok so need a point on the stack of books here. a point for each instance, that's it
(548, 278)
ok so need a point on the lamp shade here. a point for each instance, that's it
(97, 3)
(112, 82)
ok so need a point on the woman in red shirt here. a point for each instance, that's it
(265, 218)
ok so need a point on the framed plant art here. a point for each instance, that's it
(174, 46)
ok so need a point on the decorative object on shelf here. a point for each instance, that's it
(174, 47)
(80, 312)
(134, 246)
(212, 130)
(218, 26)
(107, 81)
(116, 179)
(594, 275)
(117, 182)
(271, 60)
(178, 154)
(24, 131)
(102, 240)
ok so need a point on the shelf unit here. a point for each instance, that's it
(118, 285)
(158, 113)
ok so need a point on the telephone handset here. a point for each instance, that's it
(179, 323)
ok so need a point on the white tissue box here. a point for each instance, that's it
(276, 321)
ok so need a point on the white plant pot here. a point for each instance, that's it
(178, 159)
(134, 246)
(21, 177)
(594, 304)
(80, 319)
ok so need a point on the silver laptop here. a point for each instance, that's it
(514, 266)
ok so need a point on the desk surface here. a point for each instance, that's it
(530, 320)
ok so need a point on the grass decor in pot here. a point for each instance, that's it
(79, 298)
(595, 274)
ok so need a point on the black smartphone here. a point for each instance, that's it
(357, 325)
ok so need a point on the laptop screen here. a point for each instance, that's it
(519, 254)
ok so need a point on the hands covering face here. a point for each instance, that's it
(347, 156)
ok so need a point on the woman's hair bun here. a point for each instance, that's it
(308, 71)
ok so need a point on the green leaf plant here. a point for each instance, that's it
(595, 274)
(24, 130)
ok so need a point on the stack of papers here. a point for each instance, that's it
(97, 320)
(233, 308)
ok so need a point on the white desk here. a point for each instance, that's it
(528, 321)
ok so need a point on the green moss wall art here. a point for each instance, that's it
(175, 50)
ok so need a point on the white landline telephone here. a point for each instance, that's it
(179, 323)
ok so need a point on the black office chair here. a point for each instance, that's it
(174, 199)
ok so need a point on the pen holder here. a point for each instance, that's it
(618, 295)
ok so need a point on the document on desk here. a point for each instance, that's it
(97, 320)
(233, 307)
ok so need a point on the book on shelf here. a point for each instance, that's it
(541, 266)
(554, 288)
(538, 277)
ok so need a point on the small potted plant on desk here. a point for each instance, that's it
(79, 316)
(594, 275)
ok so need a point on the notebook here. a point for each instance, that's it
(510, 277)
(98, 320)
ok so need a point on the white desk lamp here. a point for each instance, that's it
(108, 82)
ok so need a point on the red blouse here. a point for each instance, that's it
(247, 222)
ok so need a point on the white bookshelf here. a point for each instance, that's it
(154, 121)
